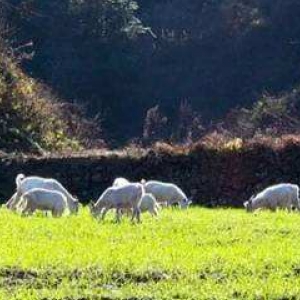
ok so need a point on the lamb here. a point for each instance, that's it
(25, 184)
(166, 193)
(284, 195)
(149, 203)
(120, 181)
(45, 200)
(124, 197)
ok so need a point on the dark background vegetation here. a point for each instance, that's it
(193, 63)
(211, 87)
(213, 177)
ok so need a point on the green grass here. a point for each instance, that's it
(193, 254)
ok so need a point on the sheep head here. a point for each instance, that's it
(75, 206)
(184, 204)
(94, 209)
(248, 204)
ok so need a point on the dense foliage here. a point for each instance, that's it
(214, 54)
(121, 58)
(83, 50)
(32, 120)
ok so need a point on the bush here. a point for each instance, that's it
(32, 120)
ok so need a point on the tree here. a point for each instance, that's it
(154, 125)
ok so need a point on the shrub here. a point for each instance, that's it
(32, 120)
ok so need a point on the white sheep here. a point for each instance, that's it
(25, 184)
(124, 197)
(149, 203)
(44, 200)
(166, 193)
(284, 195)
(16, 197)
(120, 181)
(11, 201)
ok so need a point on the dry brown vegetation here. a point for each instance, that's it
(222, 142)
(214, 174)
(32, 120)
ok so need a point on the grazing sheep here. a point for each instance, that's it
(124, 197)
(284, 195)
(45, 200)
(25, 184)
(16, 197)
(11, 201)
(166, 193)
(149, 203)
(120, 181)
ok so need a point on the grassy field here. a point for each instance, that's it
(194, 254)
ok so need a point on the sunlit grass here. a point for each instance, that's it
(193, 254)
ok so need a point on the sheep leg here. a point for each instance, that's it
(104, 212)
(169, 203)
(10, 202)
(136, 213)
(118, 215)
(125, 211)
(101, 211)
(163, 204)
(59, 214)
(31, 211)
(24, 212)
(15, 202)
(133, 214)
(27, 211)
(296, 206)
(55, 213)
(154, 212)
(172, 204)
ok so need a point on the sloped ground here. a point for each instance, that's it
(32, 120)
